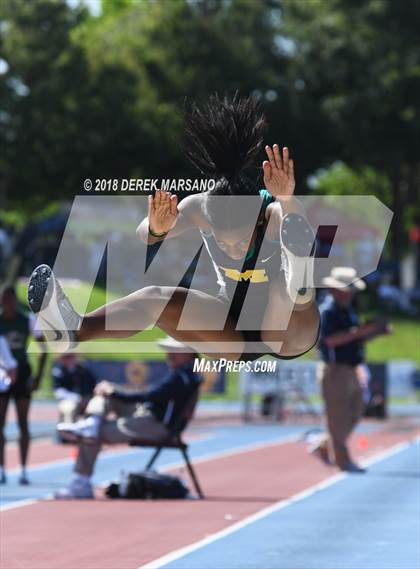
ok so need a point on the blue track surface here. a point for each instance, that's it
(364, 521)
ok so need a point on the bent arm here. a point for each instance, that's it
(7, 360)
(42, 359)
(189, 215)
(356, 334)
(161, 392)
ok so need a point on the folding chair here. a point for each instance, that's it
(174, 440)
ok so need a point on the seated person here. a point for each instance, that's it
(149, 414)
(73, 386)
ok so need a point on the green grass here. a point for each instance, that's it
(79, 294)
(403, 343)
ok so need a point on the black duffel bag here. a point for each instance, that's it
(148, 485)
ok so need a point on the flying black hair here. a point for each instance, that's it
(223, 138)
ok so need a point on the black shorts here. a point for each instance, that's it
(254, 336)
(21, 389)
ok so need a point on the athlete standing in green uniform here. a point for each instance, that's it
(17, 325)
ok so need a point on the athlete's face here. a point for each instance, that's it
(235, 243)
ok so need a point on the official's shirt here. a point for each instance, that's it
(167, 399)
(336, 318)
(77, 379)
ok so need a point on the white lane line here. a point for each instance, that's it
(35, 442)
(173, 556)
(208, 457)
(104, 453)
(239, 450)
(225, 454)
(110, 453)
(47, 466)
(382, 455)
(68, 461)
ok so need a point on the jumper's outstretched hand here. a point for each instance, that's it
(279, 176)
(163, 211)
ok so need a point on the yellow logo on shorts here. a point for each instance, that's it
(254, 276)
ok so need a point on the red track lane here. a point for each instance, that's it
(122, 534)
(41, 452)
(38, 411)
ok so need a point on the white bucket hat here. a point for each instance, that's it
(342, 277)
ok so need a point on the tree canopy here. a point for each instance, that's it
(98, 95)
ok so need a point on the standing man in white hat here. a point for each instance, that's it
(341, 346)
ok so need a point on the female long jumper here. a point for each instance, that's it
(223, 139)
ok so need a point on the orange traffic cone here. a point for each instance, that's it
(362, 442)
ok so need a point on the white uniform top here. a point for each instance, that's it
(7, 361)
